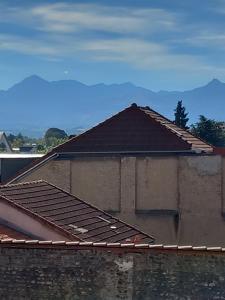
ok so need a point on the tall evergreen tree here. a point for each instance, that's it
(181, 116)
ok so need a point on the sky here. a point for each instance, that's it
(157, 44)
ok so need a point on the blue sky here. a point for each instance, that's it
(170, 44)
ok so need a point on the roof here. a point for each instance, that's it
(135, 129)
(7, 232)
(68, 214)
(110, 246)
(4, 139)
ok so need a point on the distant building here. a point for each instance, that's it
(4, 143)
(27, 148)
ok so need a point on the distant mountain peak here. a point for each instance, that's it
(34, 78)
(214, 82)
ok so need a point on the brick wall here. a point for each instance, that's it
(95, 273)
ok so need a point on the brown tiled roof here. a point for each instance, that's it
(78, 219)
(135, 129)
(7, 232)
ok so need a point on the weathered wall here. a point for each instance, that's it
(200, 180)
(97, 274)
(157, 184)
(177, 199)
(54, 171)
(98, 181)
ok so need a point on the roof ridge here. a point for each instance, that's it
(21, 183)
(166, 247)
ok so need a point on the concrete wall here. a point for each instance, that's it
(178, 199)
(98, 181)
(95, 274)
(56, 172)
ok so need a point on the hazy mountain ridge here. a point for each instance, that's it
(35, 104)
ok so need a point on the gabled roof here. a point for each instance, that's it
(73, 217)
(4, 140)
(134, 130)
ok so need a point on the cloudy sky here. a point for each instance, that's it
(158, 44)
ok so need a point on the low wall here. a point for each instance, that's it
(32, 272)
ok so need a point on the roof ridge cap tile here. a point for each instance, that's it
(22, 183)
(55, 243)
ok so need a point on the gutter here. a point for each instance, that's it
(131, 152)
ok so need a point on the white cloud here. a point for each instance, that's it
(72, 30)
(26, 45)
(64, 17)
(141, 54)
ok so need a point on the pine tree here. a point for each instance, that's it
(181, 116)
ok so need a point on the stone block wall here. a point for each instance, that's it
(30, 272)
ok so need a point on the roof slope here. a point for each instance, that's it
(69, 214)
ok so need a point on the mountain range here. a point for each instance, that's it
(34, 104)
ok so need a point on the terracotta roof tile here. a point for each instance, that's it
(69, 214)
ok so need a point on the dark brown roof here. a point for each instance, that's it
(72, 216)
(135, 129)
